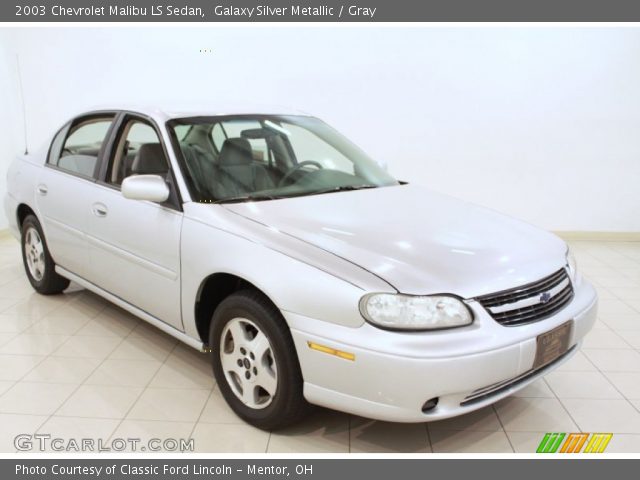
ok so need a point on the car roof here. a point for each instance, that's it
(168, 112)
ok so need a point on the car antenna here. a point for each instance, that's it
(24, 109)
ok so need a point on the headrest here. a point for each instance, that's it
(236, 151)
(150, 159)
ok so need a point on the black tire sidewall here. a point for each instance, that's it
(289, 383)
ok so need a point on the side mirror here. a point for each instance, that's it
(145, 187)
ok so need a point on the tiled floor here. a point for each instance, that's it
(74, 366)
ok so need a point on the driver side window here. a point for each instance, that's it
(137, 151)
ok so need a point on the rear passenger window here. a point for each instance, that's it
(82, 146)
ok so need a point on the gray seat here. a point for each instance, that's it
(150, 160)
(201, 168)
(127, 156)
(126, 165)
(238, 173)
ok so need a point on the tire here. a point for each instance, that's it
(38, 264)
(255, 362)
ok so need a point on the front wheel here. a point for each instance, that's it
(255, 362)
(37, 260)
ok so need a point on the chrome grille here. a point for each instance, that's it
(530, 303)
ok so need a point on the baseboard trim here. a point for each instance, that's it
(600, 236)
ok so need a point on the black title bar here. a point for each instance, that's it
(320, 11)
(314, 469)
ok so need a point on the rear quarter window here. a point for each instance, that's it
(56, 145)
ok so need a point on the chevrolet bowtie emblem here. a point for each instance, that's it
(545, 297)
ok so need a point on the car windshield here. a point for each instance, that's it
(265, 157)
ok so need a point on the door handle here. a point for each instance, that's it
(42, 189)
(99, 210)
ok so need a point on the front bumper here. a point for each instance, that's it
(394, 373)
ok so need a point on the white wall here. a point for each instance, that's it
(7, 131)
(541, 123)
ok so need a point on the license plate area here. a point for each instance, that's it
(552, 344)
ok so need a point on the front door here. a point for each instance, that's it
(134, 245)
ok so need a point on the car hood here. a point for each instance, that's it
(417, 240)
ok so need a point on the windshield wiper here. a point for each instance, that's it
(344, 188)
(248, 198)
(260, 197)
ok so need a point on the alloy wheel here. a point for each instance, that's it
(34, 253)
(248, 363)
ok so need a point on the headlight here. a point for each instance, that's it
(573, 266)
(406, 312)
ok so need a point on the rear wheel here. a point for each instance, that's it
(38, 264)
(255, 362)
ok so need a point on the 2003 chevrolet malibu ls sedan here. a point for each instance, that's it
(310, 274)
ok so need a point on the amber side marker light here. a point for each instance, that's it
(331, 351)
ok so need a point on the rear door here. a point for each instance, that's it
(65, 187)
(134, 246)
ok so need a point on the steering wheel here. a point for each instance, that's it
(297, 167)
